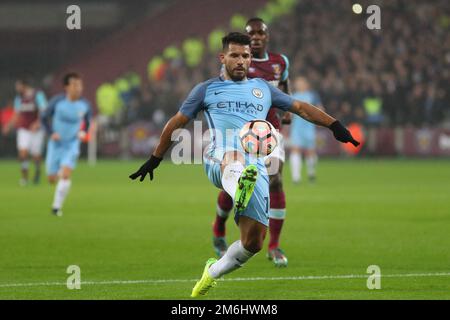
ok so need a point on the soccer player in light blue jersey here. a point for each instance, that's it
(303, 133)
(228, 102)
(62, 120)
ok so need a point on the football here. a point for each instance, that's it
(258, 137)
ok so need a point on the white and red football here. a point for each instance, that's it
(258, 137)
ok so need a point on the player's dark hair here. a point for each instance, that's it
(254, 19)
(68, 76)
(235, 37)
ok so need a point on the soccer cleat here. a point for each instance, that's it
(57, 212)
(203, 285)
(246, 185)
(277, 257)
(23, 182)
(220, 246)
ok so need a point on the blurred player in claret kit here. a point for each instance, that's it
(272, 67)
(63, 119)
(28, 104)
(303, 134)
(228, 103)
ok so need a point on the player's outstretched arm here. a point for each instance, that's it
(321, 118)
(165, 141)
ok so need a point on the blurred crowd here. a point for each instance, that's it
(405, 65)
(399, 75)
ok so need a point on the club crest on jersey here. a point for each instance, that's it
(276, 70)
(257, 93)
(251, 69)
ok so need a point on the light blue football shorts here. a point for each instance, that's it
(303, 137)
(61, 154)
(258, 207)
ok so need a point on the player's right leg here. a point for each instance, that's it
(62, 189)
(251, 242)
(277, 215)
(238, 183)
(37, 141)
(68, 155)
(224, 207)
(37, 159)
(24, 166)
(239, 252)
(52, 161)
(52, 166)
(23, 146)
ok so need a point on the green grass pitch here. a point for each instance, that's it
(149, 240)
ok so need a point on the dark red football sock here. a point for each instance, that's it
(275, 226)
(219, 226)
(224, 201)
(277, 201)
(224, 206)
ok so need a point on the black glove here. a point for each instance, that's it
(342, 134)
(148, 167)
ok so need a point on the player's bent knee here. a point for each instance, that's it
(253, 245)
(66, 173)
(252, 234)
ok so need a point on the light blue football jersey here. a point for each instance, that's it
(228, 105)
(65, 117)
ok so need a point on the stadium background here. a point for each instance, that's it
(387, 204)
(140, 60)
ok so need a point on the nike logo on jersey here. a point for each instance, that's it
(218, 92)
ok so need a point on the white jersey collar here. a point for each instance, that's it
(266, 57)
